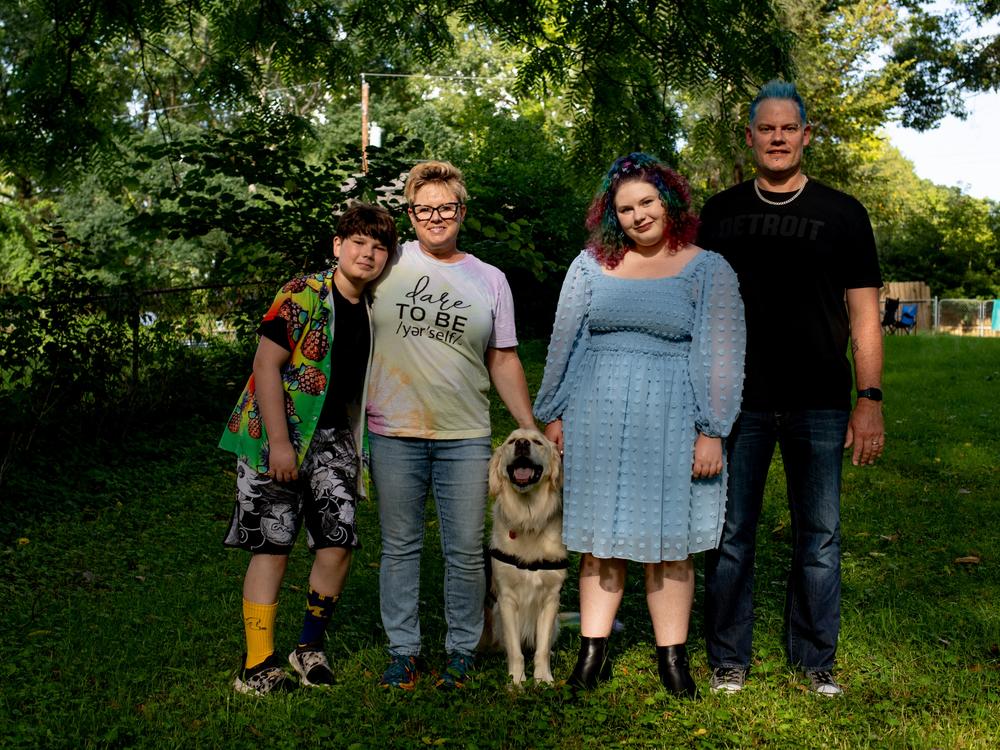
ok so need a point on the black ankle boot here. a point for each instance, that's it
(592, 665)
(674, 673)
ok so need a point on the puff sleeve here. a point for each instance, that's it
(718, 346)
(570, 336)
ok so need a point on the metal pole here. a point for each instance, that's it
(364, 124)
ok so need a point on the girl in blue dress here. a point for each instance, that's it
(642, 383)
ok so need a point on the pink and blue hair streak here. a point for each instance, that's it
(608, 241)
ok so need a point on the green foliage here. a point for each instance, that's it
(81, 76)
(950, 240)
(77, 73)
(124, 609)
(622, 65)
(947, 59)
(79, 364)
(19, 233)
(256, 186)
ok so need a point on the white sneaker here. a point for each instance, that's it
(312, 666)
(265, 678)
(727, 679)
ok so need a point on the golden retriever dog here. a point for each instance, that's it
(528, 558)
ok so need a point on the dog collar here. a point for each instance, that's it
(517, 562)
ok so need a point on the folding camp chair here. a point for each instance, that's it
(907, 319)
(891, 312)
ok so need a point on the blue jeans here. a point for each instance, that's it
(812, 449)
(403, 469)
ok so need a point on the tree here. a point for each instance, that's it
(623, 64)
(73, 71)
(78, 76)
(950, 240)
(946, 62)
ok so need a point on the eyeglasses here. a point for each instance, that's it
(446, 211)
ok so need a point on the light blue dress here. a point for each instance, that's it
(635, 368)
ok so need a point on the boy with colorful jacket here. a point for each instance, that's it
(296, 431)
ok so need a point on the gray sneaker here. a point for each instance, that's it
(267, 677)
(821, 681)
(728, 679)
(312, 666)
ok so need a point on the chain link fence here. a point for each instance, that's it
(958, 317)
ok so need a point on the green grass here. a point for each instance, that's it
(122, 609)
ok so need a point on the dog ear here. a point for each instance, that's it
(496, 476)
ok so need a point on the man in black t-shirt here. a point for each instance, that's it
(800, 249)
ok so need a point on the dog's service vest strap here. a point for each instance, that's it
(517, 562)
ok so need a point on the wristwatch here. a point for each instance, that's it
(872, 394)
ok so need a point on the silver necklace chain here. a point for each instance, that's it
(796, 194)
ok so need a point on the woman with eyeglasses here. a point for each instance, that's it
(444, 329)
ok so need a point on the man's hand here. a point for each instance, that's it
(866, 432)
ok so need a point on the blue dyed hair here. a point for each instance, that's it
(778, 89)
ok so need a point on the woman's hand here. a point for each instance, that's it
(554, 432)
(707, 457)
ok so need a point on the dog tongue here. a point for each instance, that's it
(523, 475)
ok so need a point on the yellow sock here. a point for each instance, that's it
(258, 621)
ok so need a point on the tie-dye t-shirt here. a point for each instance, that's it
(433, 324)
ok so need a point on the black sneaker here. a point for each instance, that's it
(401, 673)
(267, 677)
(727, 679)
(822, 682)
(312, 667)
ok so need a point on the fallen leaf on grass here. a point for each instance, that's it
(968, 560)
(876, 554)
(889, 537)
(963, 491)
(23, 541)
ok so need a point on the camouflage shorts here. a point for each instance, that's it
(268, 514)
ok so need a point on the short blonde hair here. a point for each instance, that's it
(427, 172)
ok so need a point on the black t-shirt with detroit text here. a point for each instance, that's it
(795, 263)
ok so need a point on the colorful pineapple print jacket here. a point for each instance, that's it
(306, 305)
